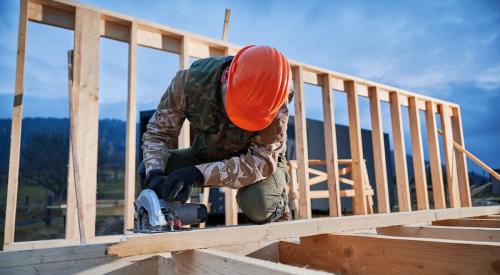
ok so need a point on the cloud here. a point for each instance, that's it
(489, 79)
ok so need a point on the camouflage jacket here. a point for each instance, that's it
(232, 157)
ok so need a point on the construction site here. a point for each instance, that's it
(359, 205)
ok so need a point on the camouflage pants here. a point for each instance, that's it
(261, 202)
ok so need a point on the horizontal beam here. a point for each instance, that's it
(216, 262)
(60, 13)
(491, 223)
(443, 232)
(176, 241)
(372, 254)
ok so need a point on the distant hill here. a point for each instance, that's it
(50, 137)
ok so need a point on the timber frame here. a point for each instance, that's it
(472, 229)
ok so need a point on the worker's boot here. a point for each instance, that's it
(286, 216)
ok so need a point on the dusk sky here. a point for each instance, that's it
(445, 49)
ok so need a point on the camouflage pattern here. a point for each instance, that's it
(232, 157)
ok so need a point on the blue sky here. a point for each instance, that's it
(446, 49)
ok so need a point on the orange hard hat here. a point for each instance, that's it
(258, 84)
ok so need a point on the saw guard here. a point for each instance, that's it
(148, 200)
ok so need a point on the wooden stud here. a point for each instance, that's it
(491, 223)
(184, 136)
(331, 149)
(462, 172)
(451, 167)
(443, 232)
(434, 156)
(418, 155)
(301, 145)
(379, 161)
(359, 204)
(212, 237)
(225, 29)
(15, 134)
(402, 184)
(130, 171)
(372, 254)
(86, 88)
(230, 206)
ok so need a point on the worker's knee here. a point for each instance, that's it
(262, 200)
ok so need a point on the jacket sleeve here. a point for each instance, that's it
(164, 126)
(259, 162)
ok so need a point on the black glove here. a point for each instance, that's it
(154, 181)
(180, 183)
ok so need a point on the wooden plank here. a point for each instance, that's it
(379, 162)
(492, 223)
(301, 145)
(51, 16)
(443, 232)
(372, 254)
(434, 156)
(462, 172)
(86, 87)
(359, 203)
(184, 136)
(402, 184)
(451, 167)
(175, 241)
(130, 141)
(331, 152)
(230, 206)
(217, 262)
(225, 28)
(15, 134)
(418, 155)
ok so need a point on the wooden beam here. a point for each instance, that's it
(212, 262)
(402, 184)
(15, 134)
(331, 152)
(418, 155)
(130, 154)
(371, 254)
(175, 241)
(461, 161)
(301, 145)
(184, 136)
(379, 161)
(225, 28)
(451, 167)
(86, 88)
(359, 204)
(443, 232)
(434, 156)
(492, 223)
(230, 206)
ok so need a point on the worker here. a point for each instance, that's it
(238, 108)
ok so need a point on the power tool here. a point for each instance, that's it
(154, 215)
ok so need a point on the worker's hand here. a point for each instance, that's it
(180, 183)
(154, 181)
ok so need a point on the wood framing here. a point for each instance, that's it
(379, 152)
(491, 223)
(418, 155)
(371, 254)
(402, 184)
(15, 134)
(332, 164)
(301, 145)
(359, 204)
(89, 24)
(165, 242)
(434, 156)
(130, 139)
(443, 232)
